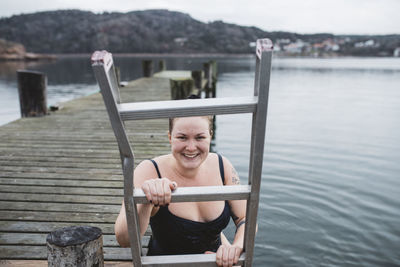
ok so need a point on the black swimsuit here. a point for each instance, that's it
(176, 235)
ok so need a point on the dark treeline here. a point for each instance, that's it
(163, 31)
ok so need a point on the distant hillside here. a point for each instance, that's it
(74, 31)
(152, 31)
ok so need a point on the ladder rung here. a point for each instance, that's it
(201, 193)
(187, 108)
(198, 260)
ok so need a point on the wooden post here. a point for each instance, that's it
(162, 65)
(147, 66)
(181, 88)
(32, 90)
(208, 76)
(118, 74)
(197, 76)
(213, 64)
(210, 72)
(75, 246)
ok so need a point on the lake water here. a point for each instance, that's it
(330, 192)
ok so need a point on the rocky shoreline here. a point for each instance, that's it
(11, 51)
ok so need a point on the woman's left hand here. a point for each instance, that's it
(228, 255)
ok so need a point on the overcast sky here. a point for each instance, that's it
(301, 16)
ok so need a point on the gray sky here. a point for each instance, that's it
(301, 16)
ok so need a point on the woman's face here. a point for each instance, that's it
(190, 141)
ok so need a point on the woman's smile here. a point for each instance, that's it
(190, 155)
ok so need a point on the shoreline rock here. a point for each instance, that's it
(11, 51)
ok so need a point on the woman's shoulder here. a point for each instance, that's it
(146, 170)
(231, 176)
(146, 163)
(216, 156)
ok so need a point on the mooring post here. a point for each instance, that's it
(147, 66)
(32, 90)
(181, 88)
(117, 74)
(210, 73)
(162, 65)
(75, 246)
(208, 76)
(213, 65)
(197, 76)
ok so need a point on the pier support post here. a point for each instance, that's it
(75, 246)
(147, 66)
(213, 65)
(208, 76)
(32, 90)
(197, 76)
(118, 74)
(181, 88)
(162, 65)
(210, 73)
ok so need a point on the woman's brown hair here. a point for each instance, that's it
(210, 120)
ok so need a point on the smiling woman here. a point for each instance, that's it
(187, 227)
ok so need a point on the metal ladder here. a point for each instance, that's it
(102, 64)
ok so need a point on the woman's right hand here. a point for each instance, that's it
(158, 191)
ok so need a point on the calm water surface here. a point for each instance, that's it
(331, 175)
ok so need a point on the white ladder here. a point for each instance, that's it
(118, 112)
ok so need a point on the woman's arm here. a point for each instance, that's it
(227, 255)
(158, 191)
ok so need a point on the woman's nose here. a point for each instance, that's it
(191, 145)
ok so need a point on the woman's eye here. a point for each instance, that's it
(181, 137)
(200, 137)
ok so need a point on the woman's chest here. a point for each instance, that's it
(198, 211)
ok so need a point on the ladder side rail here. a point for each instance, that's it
(102, 65)
(103, 70)
(256, 92)
(263, 72)
(114, 85)
(132, 218)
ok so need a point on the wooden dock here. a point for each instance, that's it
(64, 169)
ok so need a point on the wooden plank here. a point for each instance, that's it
(76, 217)
(88, 191)
(74, 156)
(61, 176)
(187, 108)
(60, 170)
(62, 207)
(40, 239)
(47, 227)
(57, 198)
(64, 143)
(40, 252)
(173, 74)
(202, 193)
(19, 226)
(101, 137)
(60, 182)
(43, 263)
(24, 263)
